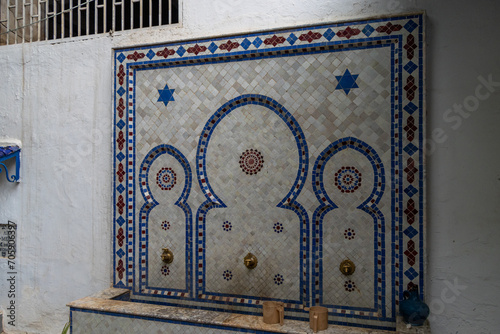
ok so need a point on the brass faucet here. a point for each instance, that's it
(167, 255)
(250, 261)
(347, 267)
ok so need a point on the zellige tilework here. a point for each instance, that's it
(303, 147)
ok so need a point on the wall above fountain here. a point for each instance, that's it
(301, 146)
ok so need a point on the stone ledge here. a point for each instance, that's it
(402, 328)
(103, 302)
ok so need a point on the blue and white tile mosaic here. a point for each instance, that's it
(301, 146)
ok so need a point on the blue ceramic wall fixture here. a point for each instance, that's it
(413, 309)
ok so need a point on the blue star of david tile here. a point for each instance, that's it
(347, 81)
(166, 95)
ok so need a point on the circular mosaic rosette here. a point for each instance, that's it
(165, 225)
(278, 279)
(348, 179)
(227, 275)
(166, 178)
(349, 286)
(227, 226)
(349, 234)
(278, 227)
(251, 161)
(165, 271)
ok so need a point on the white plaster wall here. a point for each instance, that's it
(56, 98)
(59, 108)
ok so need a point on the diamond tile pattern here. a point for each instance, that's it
(328, 87)
(307, 86)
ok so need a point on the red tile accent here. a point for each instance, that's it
(120, 269)
(120, 204)
(411, 252)
(120, 140)
(410, 211)
(389, 28)
(197, 49)
(310, 36)
(410, 286)
(120, 172)
(121, 107)
(136, 56)
(410, 128)
(410, 46)
(120, 237)
(410, 170)
(348, 32)
(275, 40)
(165, 53)
(121, 74)
(229, 46)
(410, 88)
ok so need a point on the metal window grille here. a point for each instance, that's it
(41, 20)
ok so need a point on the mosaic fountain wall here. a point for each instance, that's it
(301, 146)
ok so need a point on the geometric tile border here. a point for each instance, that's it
(403, 34)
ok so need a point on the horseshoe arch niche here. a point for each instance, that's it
(359, 82)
